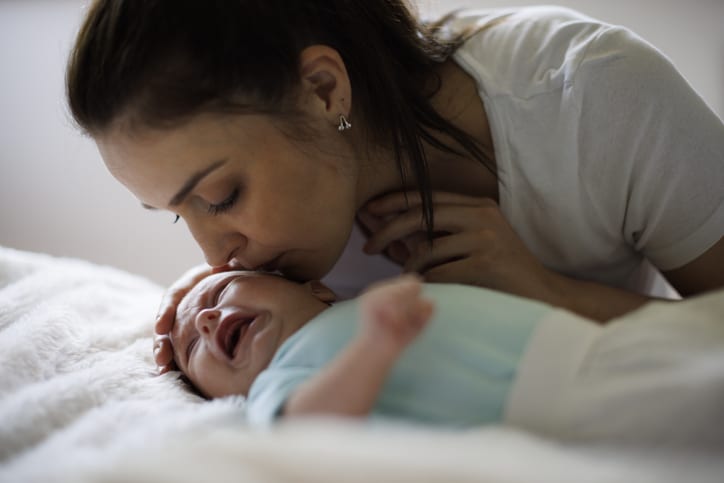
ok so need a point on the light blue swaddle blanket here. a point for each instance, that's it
(458, 372)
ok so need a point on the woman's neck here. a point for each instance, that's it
(457, 101)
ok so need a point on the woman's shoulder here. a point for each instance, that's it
(542, 16)
(527, 49)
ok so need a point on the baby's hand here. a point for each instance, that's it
(394, 312)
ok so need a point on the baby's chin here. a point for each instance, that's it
(214, 393)
(229, 387)
(194, 387)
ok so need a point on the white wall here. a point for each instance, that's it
(56, 196)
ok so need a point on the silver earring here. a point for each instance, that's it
(344, 124)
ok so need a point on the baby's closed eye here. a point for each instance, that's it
(190, 349)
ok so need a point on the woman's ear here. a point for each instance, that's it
(321, 291)
(325, 82)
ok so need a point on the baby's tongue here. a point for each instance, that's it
(238, 337)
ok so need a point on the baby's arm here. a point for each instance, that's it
(392, 314)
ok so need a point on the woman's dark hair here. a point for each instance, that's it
(160, 62)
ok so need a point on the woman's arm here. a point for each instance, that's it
(591, 299)
(704, 273)
(602, 303)
(392, 314)
(479, 247)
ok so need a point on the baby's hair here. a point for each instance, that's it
(192, 387)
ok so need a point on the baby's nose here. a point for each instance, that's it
(206, 321)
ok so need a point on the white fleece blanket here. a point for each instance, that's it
(79, 402)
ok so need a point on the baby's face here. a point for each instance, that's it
(229, 326)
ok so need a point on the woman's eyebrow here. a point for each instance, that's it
(189, 185)
(193, 181)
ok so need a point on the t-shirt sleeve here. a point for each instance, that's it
(270, 392)
(663, 149)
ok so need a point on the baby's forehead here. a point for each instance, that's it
(199, 292)
(202, 287)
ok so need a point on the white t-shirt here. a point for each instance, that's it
(606, 156)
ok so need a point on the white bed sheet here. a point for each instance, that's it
(79, 401)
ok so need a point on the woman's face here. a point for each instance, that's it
(229, 326)
(246, 191)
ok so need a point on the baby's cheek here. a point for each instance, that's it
(208, 382)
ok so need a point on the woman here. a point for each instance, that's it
(559, 153)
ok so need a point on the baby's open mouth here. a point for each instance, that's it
(231, 335)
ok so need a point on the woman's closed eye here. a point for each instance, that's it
(227, 204)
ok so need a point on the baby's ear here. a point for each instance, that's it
(321, 291)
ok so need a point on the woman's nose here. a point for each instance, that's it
(218, 247)
(216, 254)
(206, 322)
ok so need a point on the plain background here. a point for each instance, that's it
(57, 197)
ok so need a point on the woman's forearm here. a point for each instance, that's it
(592, 300)
(349, 385)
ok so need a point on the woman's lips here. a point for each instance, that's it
(271, 266)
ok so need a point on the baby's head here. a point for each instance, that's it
(229, 326)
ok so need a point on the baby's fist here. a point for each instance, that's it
(394, 312)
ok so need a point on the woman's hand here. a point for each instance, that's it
(473, 244)
(162, 348)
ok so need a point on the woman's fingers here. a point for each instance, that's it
(174, 294)
(166, 314)
(394, 221)
(473, 243)
(448, 218)
(440, 250)
(399, 227)
(162, 347)
(369, 222)
(163, 354)
(403, 200)
(457, 271)
(166, 368)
